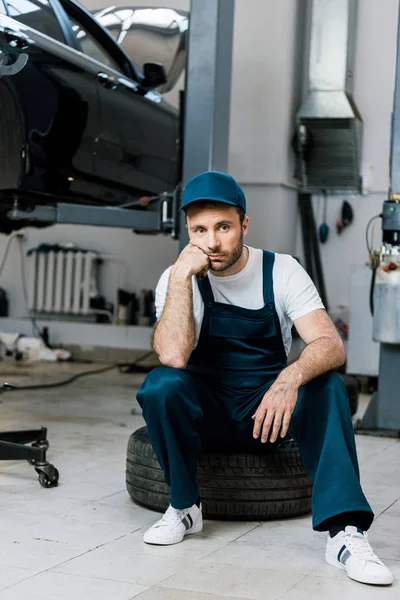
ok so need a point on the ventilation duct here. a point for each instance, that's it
(328, 124)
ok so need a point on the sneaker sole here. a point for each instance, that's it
(196, 529)
(335, 563)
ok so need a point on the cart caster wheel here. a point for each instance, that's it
(48, 476)
(44, 444)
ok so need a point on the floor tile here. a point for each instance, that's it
(388, 522)
(56, 586)
(318, 588)
(125, 564)
(37, 502)
(380, 497)
(369, 446)
(285, 533)
(78, 533)
(383, 469)
(16, 522)
(121, 499)
(80, 489)
(35, 554)
(158, 593)
(84, 538)
(252, 584)
(229, 530)
(386, 547)
(125, 514)
(192, 547)
(272, 557)
(11, 575)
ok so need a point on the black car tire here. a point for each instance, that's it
(353, 390)
(232, 486)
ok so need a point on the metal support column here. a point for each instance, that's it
(395, 137)
(382, 416)
(208, 90)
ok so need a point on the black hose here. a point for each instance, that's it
(371, 291)
(7, 387)
(301, 198)
(311, 245)
(367, 230)
(320, 280)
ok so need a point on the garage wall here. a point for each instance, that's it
(265, 94)
(373, 93)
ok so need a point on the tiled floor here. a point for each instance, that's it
(84, 538)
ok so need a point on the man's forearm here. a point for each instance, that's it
(174, 334)
(318, 357)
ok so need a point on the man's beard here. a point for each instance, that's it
(229, 260)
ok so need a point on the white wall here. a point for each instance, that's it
(132, 261)
(265, 93)
(263, 78)
(373, 93)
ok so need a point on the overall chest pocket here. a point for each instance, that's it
(242, 327)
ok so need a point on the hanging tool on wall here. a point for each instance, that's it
(346, 217)
(324, 228)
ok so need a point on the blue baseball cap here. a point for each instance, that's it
(214, 186)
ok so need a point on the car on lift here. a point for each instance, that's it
(79, 121)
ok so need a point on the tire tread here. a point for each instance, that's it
(232, 485)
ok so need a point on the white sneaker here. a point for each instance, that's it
(351, 551)
(174, 525)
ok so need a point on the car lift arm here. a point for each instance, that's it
(158, 214)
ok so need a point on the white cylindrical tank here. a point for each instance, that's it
(386, 328)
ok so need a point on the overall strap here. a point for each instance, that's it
(206, 292)
(268, 286)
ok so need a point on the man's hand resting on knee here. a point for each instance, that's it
(275, 411)
(324, 351)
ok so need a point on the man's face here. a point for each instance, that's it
(218, 232)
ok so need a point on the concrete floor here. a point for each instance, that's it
(83, 539)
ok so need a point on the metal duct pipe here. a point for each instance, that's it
(328, 122)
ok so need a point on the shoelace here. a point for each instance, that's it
(359, 546)
(173, 515)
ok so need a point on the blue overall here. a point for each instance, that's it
(209, 404)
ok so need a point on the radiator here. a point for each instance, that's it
(62, 280)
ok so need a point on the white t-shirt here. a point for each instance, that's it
(294, 291)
